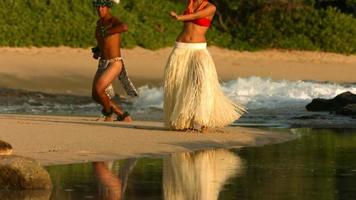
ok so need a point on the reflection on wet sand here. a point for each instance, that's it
(112, 184)
(186, 176)
(199, 175)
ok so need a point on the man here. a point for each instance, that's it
(108, 33)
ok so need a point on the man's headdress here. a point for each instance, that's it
(108, 3)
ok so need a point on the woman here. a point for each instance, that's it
(192, 95)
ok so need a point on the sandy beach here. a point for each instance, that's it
(62, 140)
(70, 70)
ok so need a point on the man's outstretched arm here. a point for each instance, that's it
(118, 27)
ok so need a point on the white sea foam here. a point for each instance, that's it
(150, 97)
(269, 102)
(257, 93)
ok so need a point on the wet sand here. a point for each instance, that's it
(62, 140)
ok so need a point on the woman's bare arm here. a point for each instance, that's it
(206, 12)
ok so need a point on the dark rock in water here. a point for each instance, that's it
(320, 105)
(5, 148)
(19, 173)
(345, 98)
(350, 109)
(336, 104)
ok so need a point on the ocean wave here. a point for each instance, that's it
(257, 93)
(269, 102)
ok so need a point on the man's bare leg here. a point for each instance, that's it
(117, 109)
(109, 180)
(96, 98)
(102, 83)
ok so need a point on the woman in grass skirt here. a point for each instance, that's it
(193, 98)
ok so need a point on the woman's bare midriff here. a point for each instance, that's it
(192, 33)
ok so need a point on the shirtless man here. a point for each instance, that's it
(107, 34)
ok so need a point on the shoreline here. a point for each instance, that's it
(56, 140)
(67, 139)
(70, 70)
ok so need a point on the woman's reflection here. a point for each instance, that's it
(199, 175)
(113, 184)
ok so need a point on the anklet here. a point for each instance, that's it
(123, 116)
(107, 114)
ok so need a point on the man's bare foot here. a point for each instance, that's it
(124, 117)
(127, 119)
(100, 118)
(109, 118)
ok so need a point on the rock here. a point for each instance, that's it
(333, 105)
(319, 105)
(25, 194)
(345, 98)
(19, 173)
(5, 148)
(350, 109)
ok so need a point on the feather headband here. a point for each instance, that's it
(108, 3)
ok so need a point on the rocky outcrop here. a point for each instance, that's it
(25, 194)
(19, 173)
(350, 109)
(344, 104)
(5, 148)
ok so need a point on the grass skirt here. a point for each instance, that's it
(199, 175)
(192, 93)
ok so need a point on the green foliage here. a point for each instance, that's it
(149, 23)
(46, 23)
(239, 24)
(288, 25)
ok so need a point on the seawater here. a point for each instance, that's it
(269, 103)
(320, 165)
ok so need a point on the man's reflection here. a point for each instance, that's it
(199, 175)
(113, 184)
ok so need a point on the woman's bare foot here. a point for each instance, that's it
(204, 129)
(180, 130)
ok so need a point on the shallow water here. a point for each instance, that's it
(320, 164)
(269, 103)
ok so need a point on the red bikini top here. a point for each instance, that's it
(201, 21)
